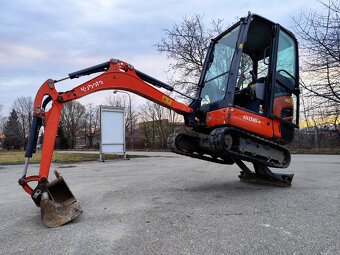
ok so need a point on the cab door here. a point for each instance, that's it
(285, 85)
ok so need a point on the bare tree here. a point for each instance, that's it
(149, 125)
(72, 121)
(319, 36)
(24, 108)
(156, 124)
(114, 100)
(185, 44)
(91, 124)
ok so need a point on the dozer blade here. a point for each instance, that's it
(58, 205)
(263, 175)
(280, 180)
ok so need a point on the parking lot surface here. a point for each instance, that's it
(170, 204)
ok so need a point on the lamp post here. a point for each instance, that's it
(130, 113)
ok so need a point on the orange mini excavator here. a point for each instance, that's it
(245, 109)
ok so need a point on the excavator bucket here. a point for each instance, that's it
(58, 205)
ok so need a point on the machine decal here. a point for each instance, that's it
(252, 119)
(91, 86)
(288, 100)
(167, 100)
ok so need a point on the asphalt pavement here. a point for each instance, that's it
(170, 204)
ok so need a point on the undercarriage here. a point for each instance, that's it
(227, 145)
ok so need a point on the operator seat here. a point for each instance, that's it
(252, 96)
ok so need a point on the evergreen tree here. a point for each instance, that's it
(61, 140)
(12, 132)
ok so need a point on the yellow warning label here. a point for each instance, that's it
(241, 46)
(167, 100)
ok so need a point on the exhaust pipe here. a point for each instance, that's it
(58, 205)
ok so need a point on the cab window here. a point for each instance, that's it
(216, 77)
(284, 105)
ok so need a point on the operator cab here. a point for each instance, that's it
(252, 75)
(252, 66)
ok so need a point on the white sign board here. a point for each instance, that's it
(112, 130)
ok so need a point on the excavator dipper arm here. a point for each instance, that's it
(115, 74)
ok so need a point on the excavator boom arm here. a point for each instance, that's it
(116, 75)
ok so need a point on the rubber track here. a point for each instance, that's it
(220, 149)
(171, 144)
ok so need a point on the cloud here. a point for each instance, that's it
(49, 39)
(19, 53)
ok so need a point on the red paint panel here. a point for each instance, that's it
(251, 122)
(277, 131)
(242, 119)
(217, 117)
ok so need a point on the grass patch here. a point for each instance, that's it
(18, 157)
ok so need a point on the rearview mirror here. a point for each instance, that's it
(265, 56)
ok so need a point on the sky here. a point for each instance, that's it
(41, 39)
